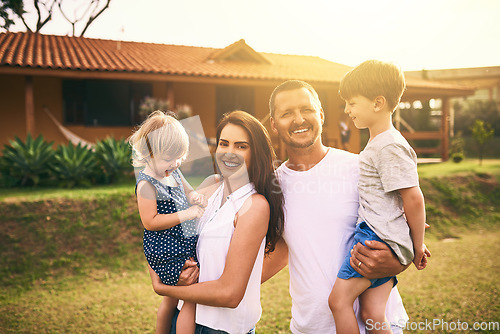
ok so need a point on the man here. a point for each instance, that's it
(321, 203)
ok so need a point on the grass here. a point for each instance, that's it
(461, 283)
(71, 260)
(449, 168)
(42, 193)
(44, 240)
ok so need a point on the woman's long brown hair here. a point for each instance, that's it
(261, 170)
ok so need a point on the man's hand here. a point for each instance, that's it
(189, 274)
(377, 261)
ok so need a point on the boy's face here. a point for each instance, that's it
(361, 110)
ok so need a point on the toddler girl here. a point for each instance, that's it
(163, 199)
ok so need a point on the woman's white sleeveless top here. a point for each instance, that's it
(216, 228)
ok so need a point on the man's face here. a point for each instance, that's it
(298, 118)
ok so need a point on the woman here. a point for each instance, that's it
(242, 221)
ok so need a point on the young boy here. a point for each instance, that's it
(391, 204)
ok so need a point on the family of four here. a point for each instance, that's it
(344, 224)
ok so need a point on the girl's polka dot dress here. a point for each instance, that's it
(167, 250)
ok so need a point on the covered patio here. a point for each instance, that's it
(424, 90)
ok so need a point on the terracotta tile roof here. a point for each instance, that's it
(238, 60)
(30, 50)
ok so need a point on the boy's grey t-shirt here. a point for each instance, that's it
(387, 164)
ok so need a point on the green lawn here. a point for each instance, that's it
(37, 194)
(491, 166)
(71, 260)
(460, 283)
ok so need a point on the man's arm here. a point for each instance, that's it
(377, 261)
(275, 261)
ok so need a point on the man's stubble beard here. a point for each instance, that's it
(293, 144)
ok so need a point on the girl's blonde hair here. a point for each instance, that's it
(159, 135)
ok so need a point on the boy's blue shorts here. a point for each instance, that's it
(363, 232)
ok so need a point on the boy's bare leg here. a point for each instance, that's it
(186, 319)
(166, 311)
(372, 303)
(341, 300)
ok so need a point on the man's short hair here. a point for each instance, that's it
(374, 78)
(291, 85)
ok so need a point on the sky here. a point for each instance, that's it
(416, 34)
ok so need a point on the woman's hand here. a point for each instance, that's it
(189, 273)
(377, 261)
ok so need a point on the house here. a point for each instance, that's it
(94, 87)
(485, 80)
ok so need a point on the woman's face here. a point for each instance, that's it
(233, 153)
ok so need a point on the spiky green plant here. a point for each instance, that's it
(113, 158)
(74, 165)
(26, 163)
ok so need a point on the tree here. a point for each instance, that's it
(482, 133)
(90, 13)
(83, 13)
(468, 112)
(8, 8)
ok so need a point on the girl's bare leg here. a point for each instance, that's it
(166, 311)
(186, 319)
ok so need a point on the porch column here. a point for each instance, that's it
(29, 105)
(397, 118)
(445, 129)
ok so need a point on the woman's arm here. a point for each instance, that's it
(228, 291)
(151, 219)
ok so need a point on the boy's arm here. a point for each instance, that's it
(275, 261)
(414, 208)
(377, 260)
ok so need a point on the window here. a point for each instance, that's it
(103, 102)
(230, 98)
(73, 101)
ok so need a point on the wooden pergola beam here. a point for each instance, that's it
(445, 127)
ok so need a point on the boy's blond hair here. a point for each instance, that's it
(374, 78)
(158, 136)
